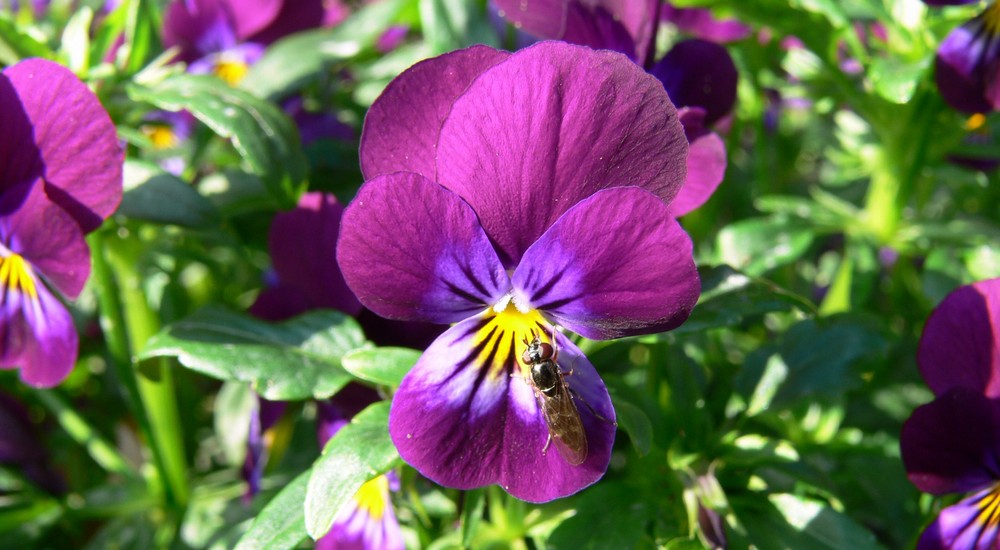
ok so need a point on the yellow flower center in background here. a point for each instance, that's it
(989, 508)
(15, 274)
(161, 135)
(231, 70)
(372, 496)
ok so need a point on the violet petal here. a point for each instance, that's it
(970, 524)
(411, 250)
(466, 417)
(550, 126)
(616, 264)
(402, 126)
(699, 73)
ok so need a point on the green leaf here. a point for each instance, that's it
(16, 45)
(758, 245)
(294, 360)
(729, 297)
(609, 515)
(142, 34)
(811, 359)
(281, 524)
(301, 57)
(636, 424)
(75, 45)
(385, 366)
(358, 453)
(452, 24)
(24, 519)
(896, 79)
(472, 515)
(797, 522)
(262, 134)
(154, 195)
(234, 404)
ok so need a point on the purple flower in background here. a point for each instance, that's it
(967, 63)
(60, 177)
(952, 445)
(20, 447)
(700, 23)
(698, 75)
(368, 520)
(518, 192)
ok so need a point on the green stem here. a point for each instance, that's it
(129, 323)
(103, 453)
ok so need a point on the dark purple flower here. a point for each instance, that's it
(263, 418)
(509, 193)
(952, 445)
(369, 520)
(967, 63)
(696, 73)
(20, 446)
(959, 345)
(60, 177)
(700, 23)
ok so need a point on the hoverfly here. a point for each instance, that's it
(561, 415)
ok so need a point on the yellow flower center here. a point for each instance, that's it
(15, 274)
(505, 335)
(975, 122)
(161, 135)
(372, 496)
(989, 508)
(231, 70)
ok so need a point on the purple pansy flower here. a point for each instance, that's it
(207, 34)
(20, 446)
(518, 192)
(698, 75)
(60, 177)
(368, 520)
(700, 23)
(967, 63)
(952, 445)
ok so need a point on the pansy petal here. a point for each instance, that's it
(706, 163)
(252, 16)
(699, 73)
(700, 23)
(971, 524)
(20, 160)
(963, 61)
(368, 521)
(413, 251)
(465, 416)
(75, 137)
(960, 344)
(336, 412)
(201, 27)
(402, 126)
(616, 264)
(587, 22)
(294, 16)
(549, 127)
(952, 444)
(36, 335)
(48, 238)
(303, 246)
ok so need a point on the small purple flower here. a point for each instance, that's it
(60, 177)
(952, 445)
(518, 192)
(368, 521)
(20, 446)
(700, 23)
(967, 63)
(696, 73)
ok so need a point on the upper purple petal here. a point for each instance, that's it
(616, 264)
(48, 238)
(960, 344)
(706, 163)
(293, 16)
(699, 73)
(402, 126)
(465, 416)
(971, 524)
(550, 126)
(949, 2)
(81, 159)
(967, 65)
(303, 247)
(412, 250)
(952, 444)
